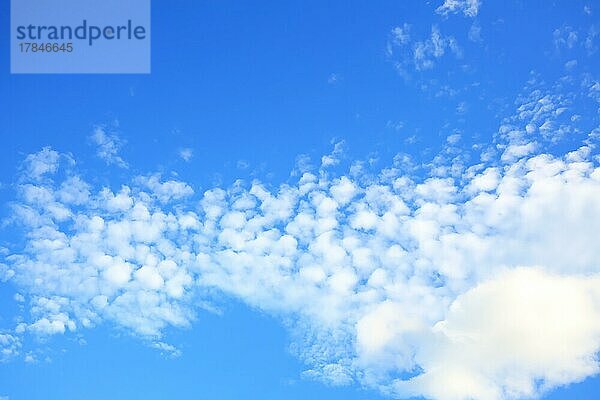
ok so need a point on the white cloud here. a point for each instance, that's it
(565, 37)
(9, 346)
(401, 34)
(39, 164)
(475, 33)
(383, 274)
(333, 158)
(186, 154)
(425, 52)
(569, 65)
(454, 138)
(108, 147)
(420, 54)
(532, 330)
(166, 191)
(469, 8)
(167, 349)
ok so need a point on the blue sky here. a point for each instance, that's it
(350, 200)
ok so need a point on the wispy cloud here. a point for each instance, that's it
(475, 33)
(420, 55)
(108, 145)
(334, 79)
(565, 37)
(469, 8)
(186, 154)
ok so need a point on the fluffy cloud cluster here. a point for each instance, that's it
(9, 346)
(409, 52)
(103, 255)
(455, 281)
(469, 8)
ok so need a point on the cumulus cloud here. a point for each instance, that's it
(454, 281)
(9, 346)
(167, 190)
(41, 163)
(333, 158)
(535, 331)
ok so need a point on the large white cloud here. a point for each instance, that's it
(510, 337)
(483, 277)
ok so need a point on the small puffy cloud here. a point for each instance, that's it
(167, 190)
(343, 190)
(333, 158)
(39, 164)
(108, 146)
(9, 346)
(516, 151)
(571, 64)
(454, 138)
(469, 8)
